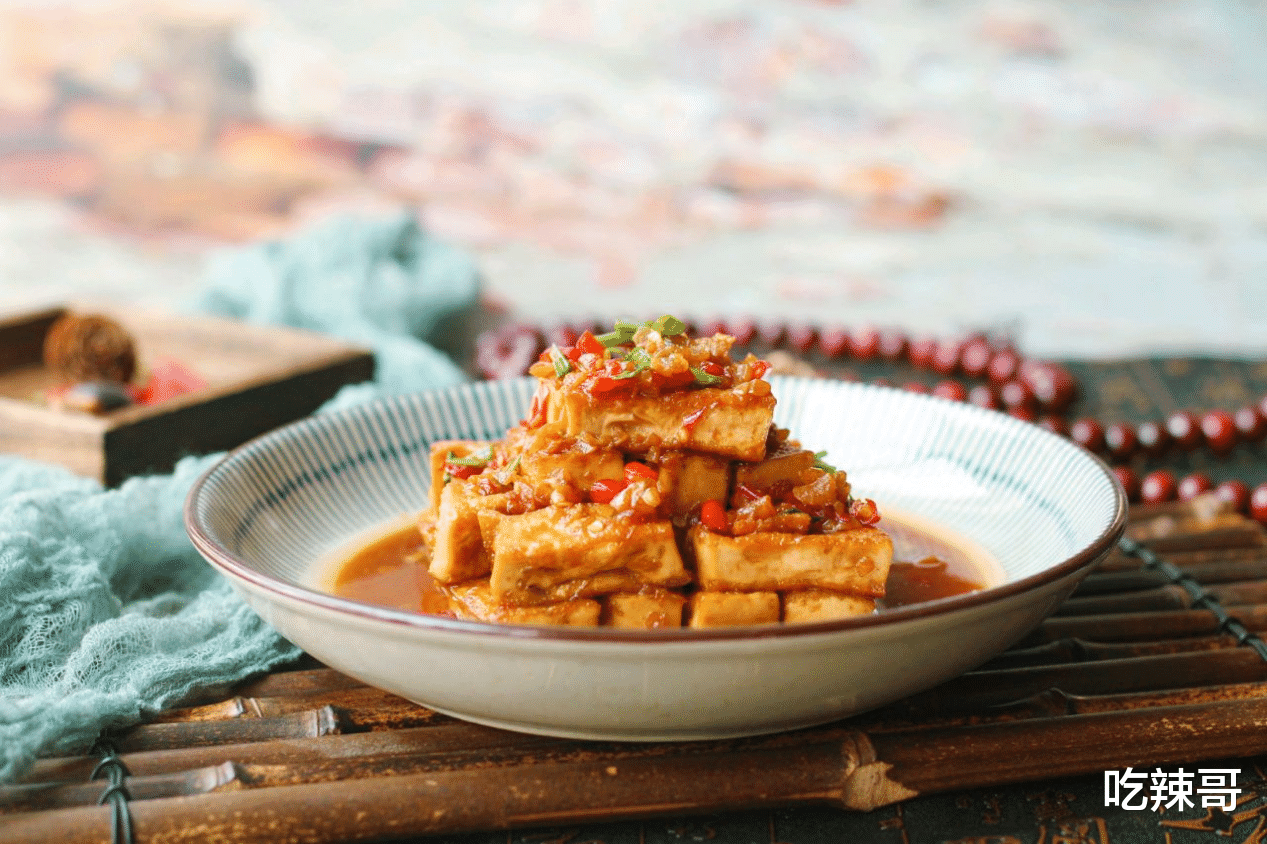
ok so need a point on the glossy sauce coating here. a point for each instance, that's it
(385, 571)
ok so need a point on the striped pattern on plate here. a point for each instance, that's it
(1027, 497)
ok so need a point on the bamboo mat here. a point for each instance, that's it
(1129, 671)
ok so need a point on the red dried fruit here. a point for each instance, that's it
(168, 380)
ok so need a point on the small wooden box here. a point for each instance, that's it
(258, 377)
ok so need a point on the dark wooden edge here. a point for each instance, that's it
(22, 337)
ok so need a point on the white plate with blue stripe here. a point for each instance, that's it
(1040, 511)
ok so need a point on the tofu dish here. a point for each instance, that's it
(649, 487)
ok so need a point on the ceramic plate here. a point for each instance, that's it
(273, 514)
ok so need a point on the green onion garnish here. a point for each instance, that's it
(562, 366)
(820, 463)
(640, 359)
(478, 459)
(623, 332)
(668, 325)
(612, 338)
(620, 334)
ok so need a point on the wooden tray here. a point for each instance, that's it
(258, 378)
(1133, 670)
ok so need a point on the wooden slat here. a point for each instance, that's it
(352, 708)
(313, 722)
(439, 739)
(849, 769)
(1134, 626)
(1080, 650)
(59, 795)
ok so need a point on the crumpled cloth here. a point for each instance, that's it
(107, 613)
(388, 286)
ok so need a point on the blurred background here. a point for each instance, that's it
(1089, 176)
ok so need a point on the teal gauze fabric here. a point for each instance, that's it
(107, 614)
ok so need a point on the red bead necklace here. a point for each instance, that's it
(1033, 390)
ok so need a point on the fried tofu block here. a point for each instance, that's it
(475, 602)
(785, 464)
(577, 550)
(854, 561)
(645, 610)
(439, 453)
(731, 423)
(821, 605)
(732, 609)
(457, 549)
(688, 480)
(577, 466)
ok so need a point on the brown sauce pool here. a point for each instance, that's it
(928, 566)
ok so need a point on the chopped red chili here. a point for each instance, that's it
(588, 344)
(692, 419)
(609, 383)
(670, 382)
(537, 414)
(864, 510)
(605, 384)
(635, 470)
(713, 368)
(712, 515)
(603, 490)
(461, 472)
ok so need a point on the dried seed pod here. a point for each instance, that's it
(90, 347)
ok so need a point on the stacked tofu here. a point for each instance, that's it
(636, 496)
